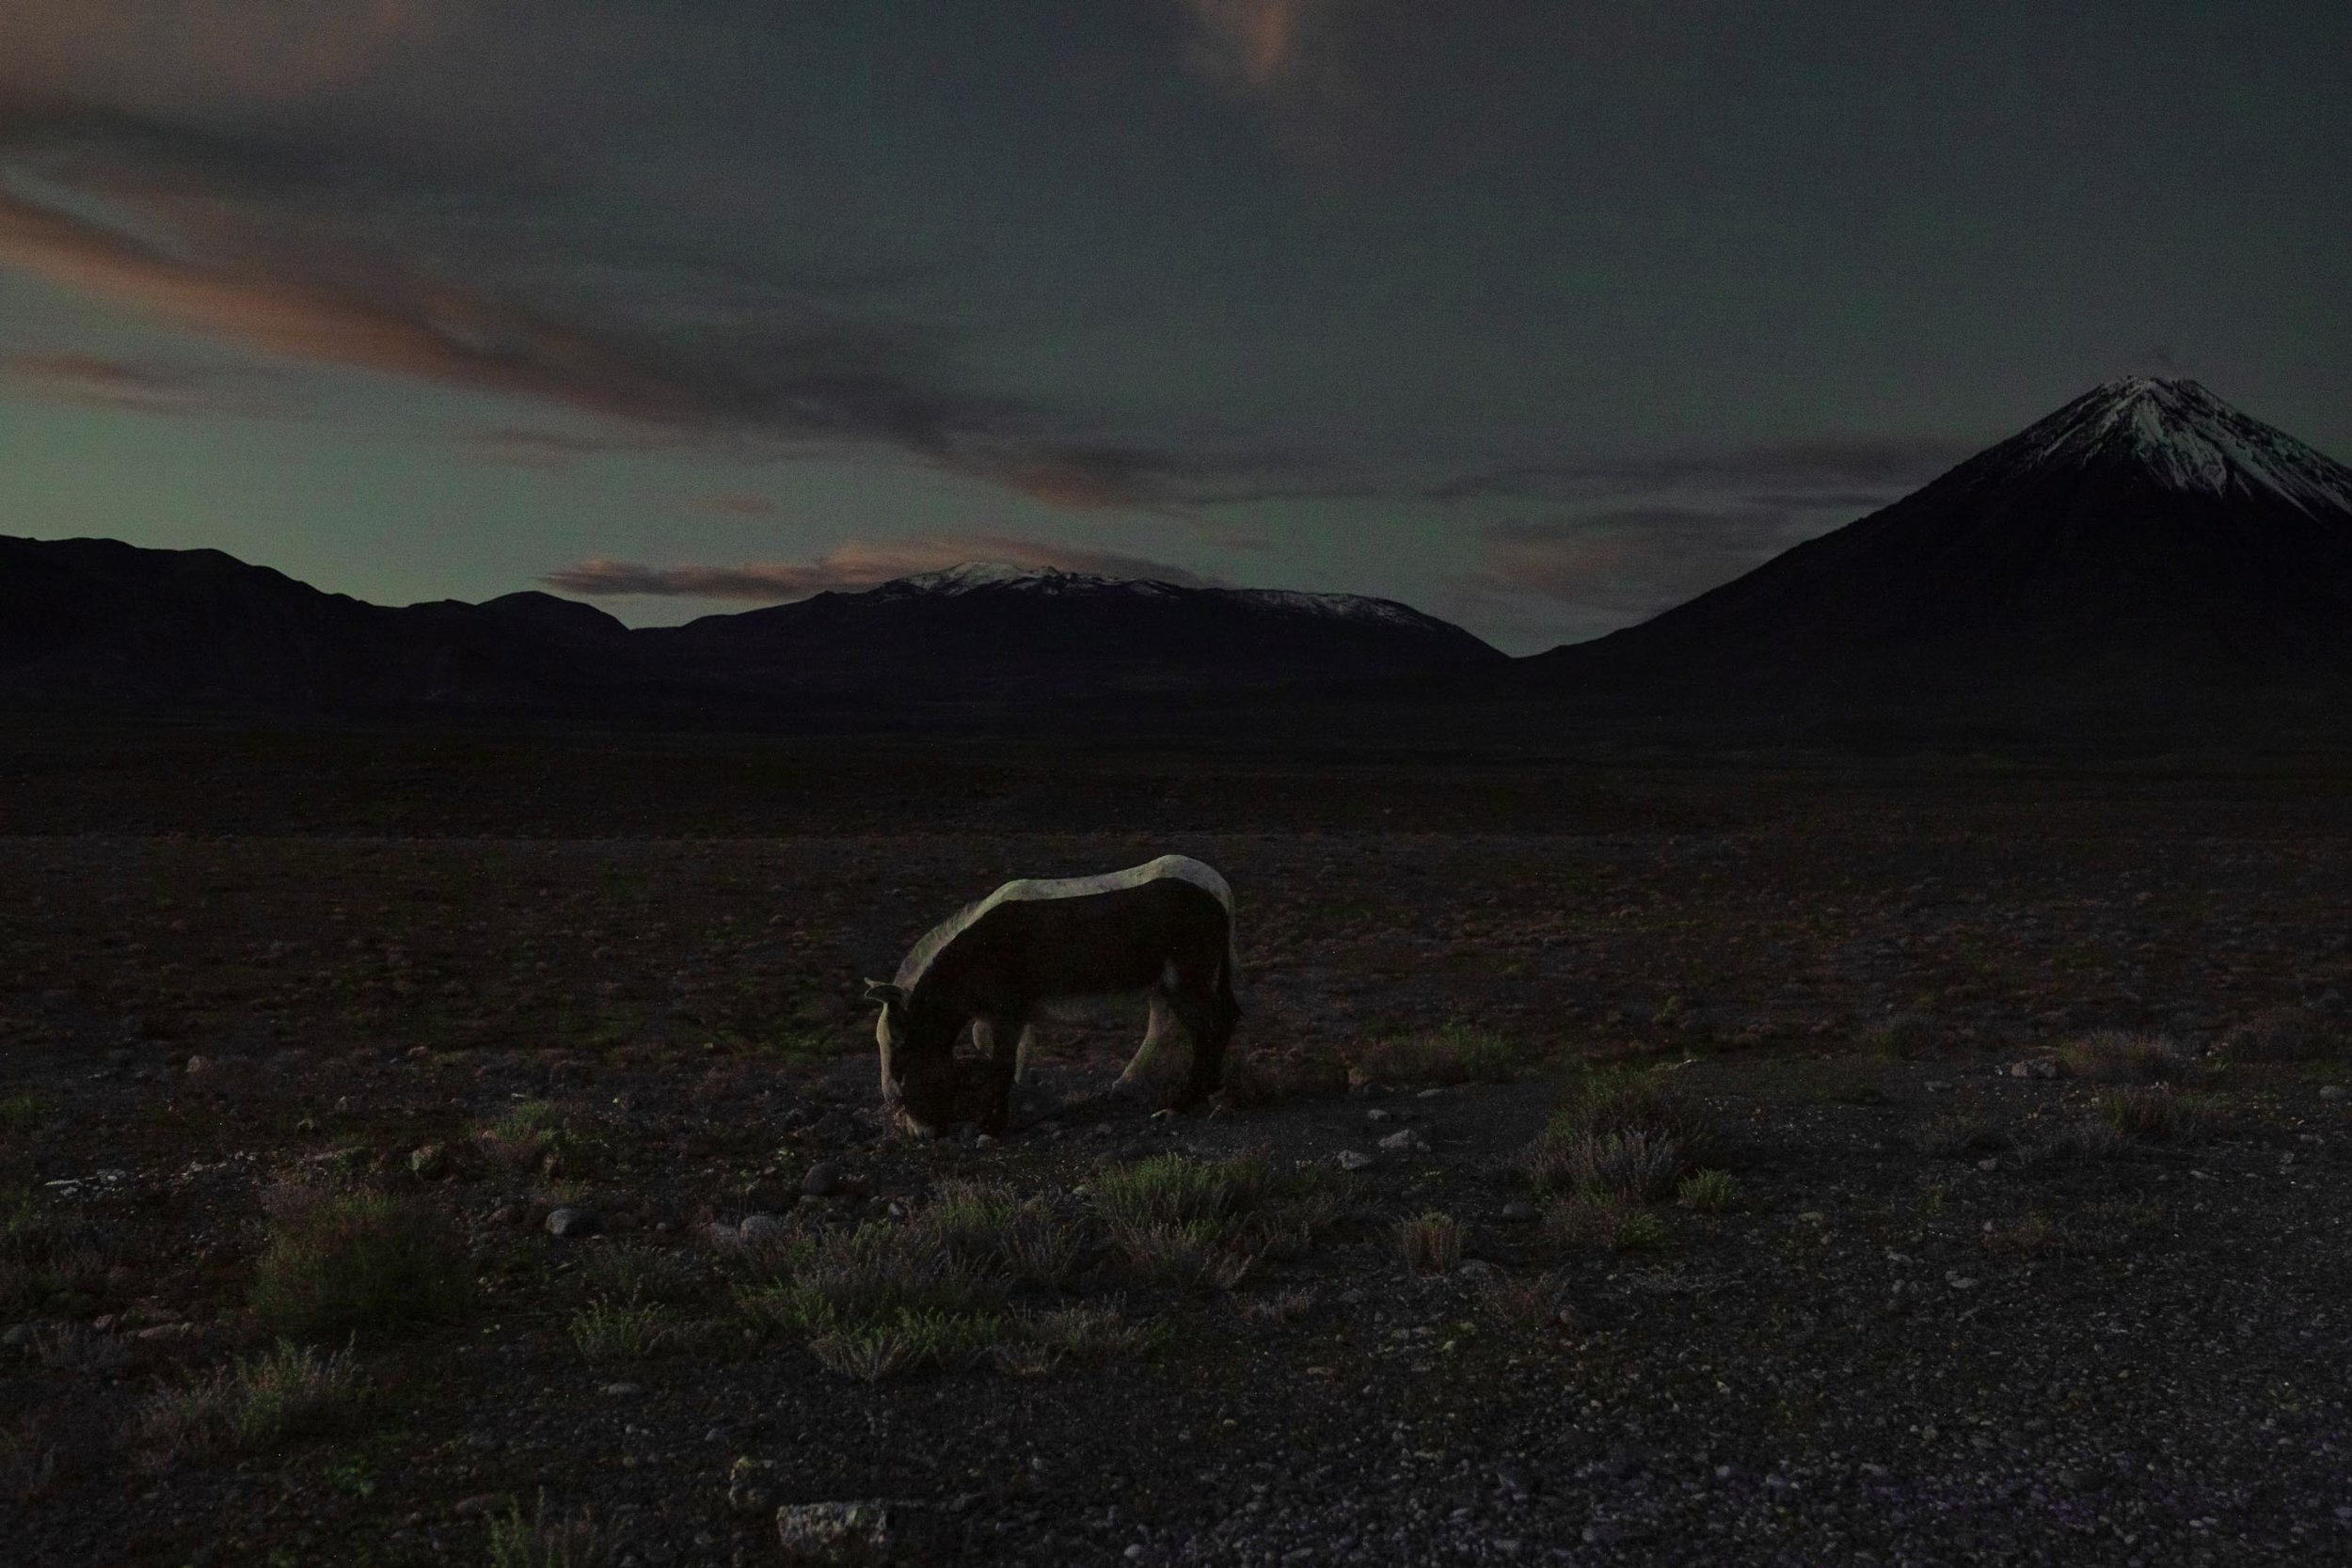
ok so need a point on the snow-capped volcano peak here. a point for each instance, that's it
(2188, 439)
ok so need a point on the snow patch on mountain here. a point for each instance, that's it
(973, 575)
(2188, 439)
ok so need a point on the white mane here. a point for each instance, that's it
(1182, 868)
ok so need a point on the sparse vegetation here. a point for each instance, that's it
(2115, 1057)
(570, 1541)
(1898, 1036)
(1707, 1192)
(1530, 1301)
(337, 1262)
(1430, 1244)
(2290, 1034)
(291, 1392)
(2156, 1116)
(1589, 1219)
(2032, 1237)
(1626, 1134)
(1455, 1052)
(621, 1330)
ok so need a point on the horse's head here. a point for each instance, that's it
(919, 1079)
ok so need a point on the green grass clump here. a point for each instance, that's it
(21, 1113)
(621, 1330)
(1430, 1244)
(1590, 1220)
(1205, 1223)
(534, 1137)
(2156, 1116)
(539, 1541)
(291, 1391)
(1620, 1134)
(356, 1262)
(990, 1229)
(878, 1274)
(905, 1342)
(1707, 1192)
(1454, 1052)
(1530, 1301)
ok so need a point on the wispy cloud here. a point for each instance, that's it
(134, 387)
(1861, 466)
(851, 568)
(227, 241)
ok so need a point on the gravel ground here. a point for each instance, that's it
(2028, 1348)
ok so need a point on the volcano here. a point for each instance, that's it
(2147, 549)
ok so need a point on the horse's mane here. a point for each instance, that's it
(934, 942)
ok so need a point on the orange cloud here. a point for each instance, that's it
(850, 567)
(438, 333)
(1255, 40)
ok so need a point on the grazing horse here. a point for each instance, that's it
(1165, 928)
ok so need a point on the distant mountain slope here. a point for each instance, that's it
(97, 623)
(987, 630)
(2145, 548)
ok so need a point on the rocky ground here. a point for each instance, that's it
(1936, 1315)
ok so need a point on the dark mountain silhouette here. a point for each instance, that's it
(2146, 549)
(100, 624)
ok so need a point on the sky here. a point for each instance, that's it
(1542, 316)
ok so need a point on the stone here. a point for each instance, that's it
(622, 1390)
(1476, 1270)
(429, 1162)
(822, 1178)
(1937, 1086)
(1353, 1159)
(2331, 1091)
(829, 1530)
(570, 1222)
(196, 1065)
(761, 1228)
(166, 1332)
(1519, 1211)
(1405, 1141)
(482, 1505)
(1376, 1115)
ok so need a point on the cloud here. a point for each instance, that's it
(1254, 44)
(125, 385)
(850, 567)
(737, 503)
(250, 260)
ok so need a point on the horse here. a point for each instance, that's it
(1164, 928)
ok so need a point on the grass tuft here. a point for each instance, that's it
(2156, 1116)
(1600, 1220)
(2114, 1056)
(2290, 1034)
(1430, 1244)
(573, 1541)
(609, 1330)
(1455, 1052)
(1707, 1192)
(1958, 1133)
(291, 1391)
(1623, 1134)
(340, 1262)
(1530, 1301)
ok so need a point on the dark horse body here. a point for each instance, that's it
(1165, 928)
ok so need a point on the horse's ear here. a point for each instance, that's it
(886, 993)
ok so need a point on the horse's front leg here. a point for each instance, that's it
(1155, 1035)
(1007, 1042)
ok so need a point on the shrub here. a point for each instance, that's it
(1430, 1244)
(2290, 1034)
(1257, 1083)
(571, 1542)
(907, 1341)
(1530, 1301)
(1095, 1335)
(2113, 1056)
(876, 1274)
(1707, 1192)
(1455, 1052)
(291, 1391)
(532, 1137)
(1898, 1037)
(619, 1331)
(1592, 1220)
(1282, 1306)
(991, 1230)
(2155, 1115)
(337, 1262)
(1625, 1133)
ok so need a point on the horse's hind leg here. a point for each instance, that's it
(1209, 1015)
(1155, 1036)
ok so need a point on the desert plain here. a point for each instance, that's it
(462, 1147)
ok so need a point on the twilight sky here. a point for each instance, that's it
(1541, 315)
